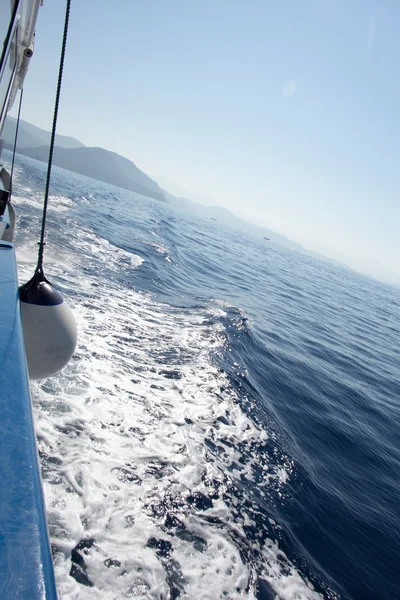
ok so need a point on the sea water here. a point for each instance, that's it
(229, 426)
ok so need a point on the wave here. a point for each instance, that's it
(145, 449)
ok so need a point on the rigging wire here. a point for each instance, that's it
(39, 267)
(15, 141)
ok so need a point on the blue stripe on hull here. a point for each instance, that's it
(25, 555)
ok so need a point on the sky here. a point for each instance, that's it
(285, 112)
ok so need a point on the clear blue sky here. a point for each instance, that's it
(285, 111)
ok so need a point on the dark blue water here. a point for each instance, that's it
(311, 352)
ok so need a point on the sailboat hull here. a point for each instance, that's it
(25, 555)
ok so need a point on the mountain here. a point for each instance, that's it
(71, 154)
(30, 136)
(205, 207)
(366, 266)
(227, 218)
(99, 164)
(176, 190)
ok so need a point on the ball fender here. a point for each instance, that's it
(48, 325)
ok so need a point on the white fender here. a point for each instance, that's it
(49, 328)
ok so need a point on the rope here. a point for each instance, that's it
(39, 267)
(15, 141)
